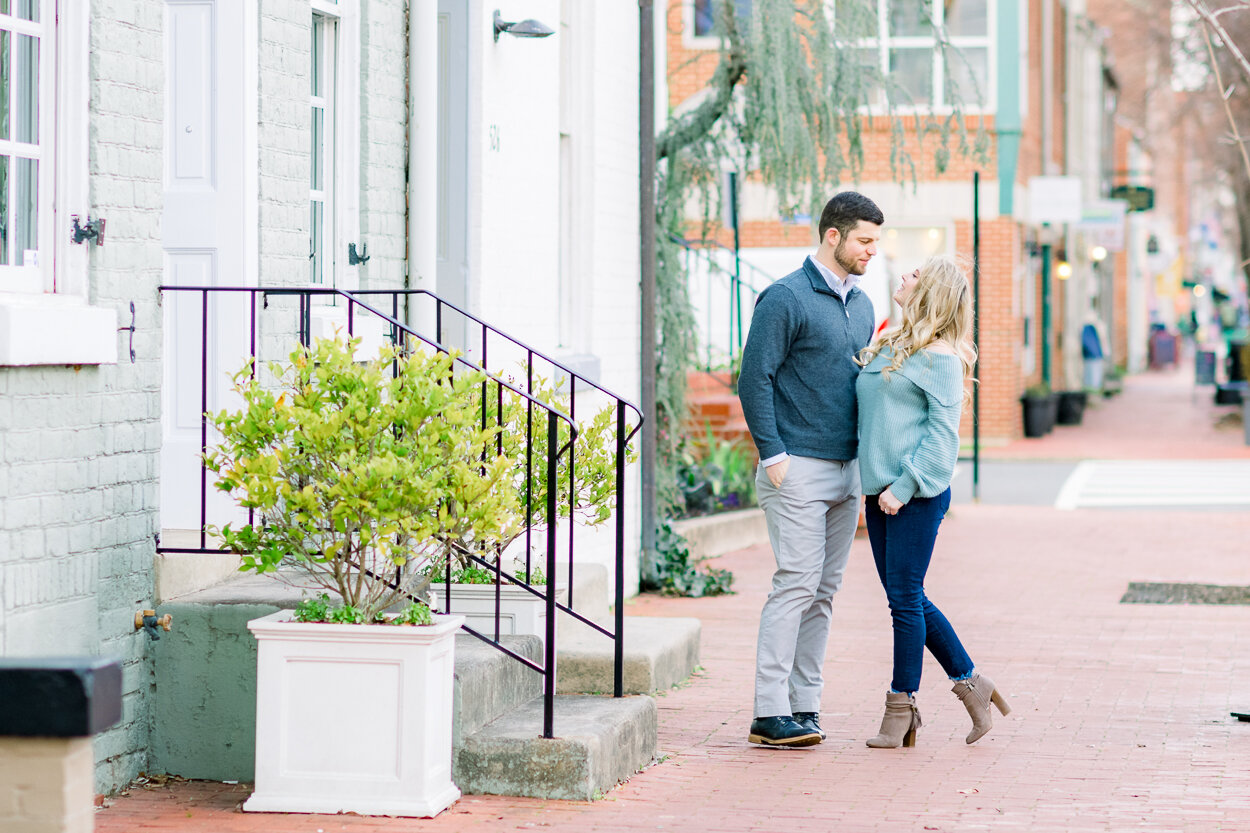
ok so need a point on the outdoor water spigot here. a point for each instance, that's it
(148, 621)
(93, 230)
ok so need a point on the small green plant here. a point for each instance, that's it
(319, 609)
(415, 614)
(718, 477)
(679, 574)
(1041, 390)
(476, 574)
(472, 574)
(316, 609)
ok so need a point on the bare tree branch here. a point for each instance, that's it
(1220, 32)
(1228, 110)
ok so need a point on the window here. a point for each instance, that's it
(44, 315)
(932, 54)
(27, 55)
(321, 186)
(333, 187)
(702, 24)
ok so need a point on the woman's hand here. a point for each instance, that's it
(889, 503)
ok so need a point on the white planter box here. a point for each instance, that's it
(353, 718)
(520, 611)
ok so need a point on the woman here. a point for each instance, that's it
(911, 393)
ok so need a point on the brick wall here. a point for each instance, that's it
(383, 143)
(78, 472)
(1000, 336)
(283, 138)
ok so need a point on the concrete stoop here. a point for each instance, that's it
(600, 742)
(659, 654)
(204, 718)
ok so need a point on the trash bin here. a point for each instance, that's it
(1245, 417)
(1236, 361)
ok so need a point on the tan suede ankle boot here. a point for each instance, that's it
(976, 693)
(899, 725)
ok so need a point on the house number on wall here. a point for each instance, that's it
(494, 137)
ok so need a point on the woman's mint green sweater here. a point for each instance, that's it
(909, 424)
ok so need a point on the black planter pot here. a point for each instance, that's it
(1071, 407)
(1039, 414)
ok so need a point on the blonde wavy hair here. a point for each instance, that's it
(939, 308)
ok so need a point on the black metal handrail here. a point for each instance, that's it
(482, 341)
(399, 331)
(703, 249)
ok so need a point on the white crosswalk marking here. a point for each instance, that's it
(1181, 483)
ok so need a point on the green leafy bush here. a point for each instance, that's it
(721, 477)
(358, 475)
(679, 574)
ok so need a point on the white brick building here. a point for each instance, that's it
(499, 173)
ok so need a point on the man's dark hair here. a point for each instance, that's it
(844, 212)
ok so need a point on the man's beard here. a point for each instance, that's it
(850, 264)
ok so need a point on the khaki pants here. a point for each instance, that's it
(811, 523)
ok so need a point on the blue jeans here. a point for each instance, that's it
(902, 546)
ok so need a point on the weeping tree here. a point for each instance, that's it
(788, 103)
(1225, 36)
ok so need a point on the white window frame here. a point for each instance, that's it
(341, 179)
(47, 319)
(688, 37)
(937, 104)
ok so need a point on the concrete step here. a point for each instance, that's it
(713, 535)
(599, 742)
(591, 596)
(488, 683)
(660, 652)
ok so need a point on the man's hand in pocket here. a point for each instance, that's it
(777, 472)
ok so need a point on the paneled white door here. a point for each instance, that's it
(208, 235)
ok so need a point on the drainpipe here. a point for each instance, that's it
(646, 210)
(1044, 122)
(422, 158)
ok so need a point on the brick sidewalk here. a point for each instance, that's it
(1160, 414)
(1120, 717)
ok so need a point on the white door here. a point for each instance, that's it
(208, 230)
(453, 177)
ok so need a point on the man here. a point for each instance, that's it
(797, 387)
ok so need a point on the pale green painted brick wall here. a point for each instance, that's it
(80, 447)
(383, 143)
(79, 454)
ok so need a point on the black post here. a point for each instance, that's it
(618, 665)
(1046, 258)
(549, 648)
(646, 210)
(976, 335)
(736, 309)
(203, 418)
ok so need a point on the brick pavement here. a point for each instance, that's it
(1120, 718)
(1160, 414)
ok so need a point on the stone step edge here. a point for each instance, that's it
(660, 652)
(599, 742)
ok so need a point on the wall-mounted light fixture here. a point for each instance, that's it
(522, 29)
(1063, 270)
